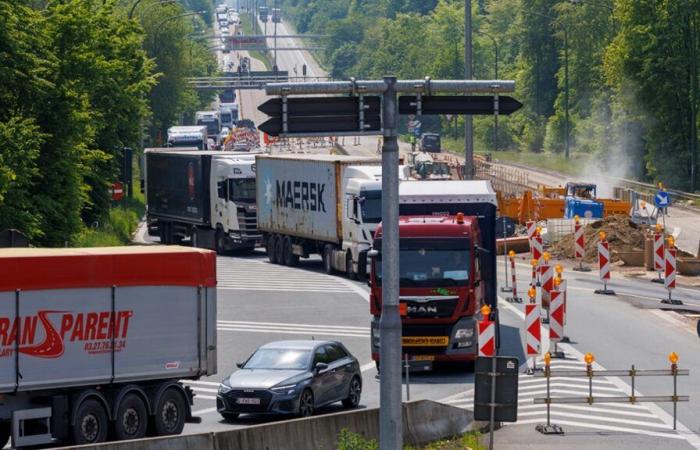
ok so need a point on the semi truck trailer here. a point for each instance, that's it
(85, 349)
(319, 204)
(206, 196)
(447, 263)
(188, 136)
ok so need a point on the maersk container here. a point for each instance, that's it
(300, 195)
(84, 332)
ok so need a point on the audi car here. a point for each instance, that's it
(291, 377)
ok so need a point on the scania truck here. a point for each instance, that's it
(206, 196)
(94, 342)
(319, 204)
(447, 264)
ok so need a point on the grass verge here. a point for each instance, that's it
(119, 226)
(348, 440)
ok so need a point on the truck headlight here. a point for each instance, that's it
(464, 333)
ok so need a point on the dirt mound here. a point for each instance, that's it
(623, 236)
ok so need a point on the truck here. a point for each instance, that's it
(87, 353)
(447, 266)
(430, 142)
(228, 113)
(319, 204)
(211, 120)
(188, 136)
(208, 197)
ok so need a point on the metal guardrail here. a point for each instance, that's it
(633, 373)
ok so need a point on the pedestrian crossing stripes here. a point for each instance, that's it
(204, 390)
(619, 417)
(292, 328)
(260, 275)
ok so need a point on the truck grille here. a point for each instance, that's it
(248, 222)
(429, 309)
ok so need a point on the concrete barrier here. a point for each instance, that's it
(423, 420)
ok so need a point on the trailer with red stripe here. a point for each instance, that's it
(94, 342)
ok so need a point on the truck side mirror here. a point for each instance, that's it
(373, 253)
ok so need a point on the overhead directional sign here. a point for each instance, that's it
(457, 104)
(661, 199)
(319, 115)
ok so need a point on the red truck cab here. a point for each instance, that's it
(440, 286)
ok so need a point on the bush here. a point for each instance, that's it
(347, 440)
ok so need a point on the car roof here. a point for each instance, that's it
(299, 345)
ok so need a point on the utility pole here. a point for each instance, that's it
(468, 125)
(390, 420)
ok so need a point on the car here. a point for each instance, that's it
(291, 378)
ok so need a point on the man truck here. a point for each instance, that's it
(319, 204)
(447, 263)
(86, 350)
(206, 196)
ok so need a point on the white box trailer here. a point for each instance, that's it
(325, 204)
(86, 346)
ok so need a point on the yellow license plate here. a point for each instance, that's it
(423, 358)
(425, 341)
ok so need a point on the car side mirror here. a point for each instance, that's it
(320, 367)
(240, 365)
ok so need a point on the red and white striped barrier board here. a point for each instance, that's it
(670, 279)
(487, 338)
(556, 317)
(604, 260)
(537, 249)
(659, 252)
(531, 230)
(533, 328)
(512, 278)
(579, 242)
(547, 281)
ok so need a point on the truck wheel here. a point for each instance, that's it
(194, 238)
(328, 259)
(290, 259)
(279, 249)
(131, 421)
(5, 432)
(90, 423)
(220, 242)
(270, 249)
(348, 266)
(170, 413)
(163, 232)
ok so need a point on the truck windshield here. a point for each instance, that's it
(371, 206)
(242, 190)
(431, 262)
(211, 124)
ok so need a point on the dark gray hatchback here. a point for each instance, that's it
(291, 377)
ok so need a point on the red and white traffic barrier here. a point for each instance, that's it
(487, 338)
(534, 330)
(531, 230)
(556, 322)
(604, 264)
(670, 272)
(547, 281)
(514, 287)
(580, 245)
(659, 257)
(537, 248)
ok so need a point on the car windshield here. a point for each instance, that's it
(433, 263)
(279, 359)
(371, 206)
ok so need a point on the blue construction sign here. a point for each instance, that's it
(661, 199)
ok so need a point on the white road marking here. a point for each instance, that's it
(201, 412)
(303, 325)
(368, 366)
(303, 333)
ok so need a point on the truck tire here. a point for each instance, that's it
(348, 266)
(131, 421)
(170, 413)
(328, 259)
(164, 232)
(270, 249)
(5, 432)
(279, 249)
(220, 242)
(90, 423)
(194, 238)
(290, 259)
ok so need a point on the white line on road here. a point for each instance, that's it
(285, 324)
(611, 410)
(196, 382)
(572, 423)
(303, 333)
(368, 366)
(203, 411)
(205, 397)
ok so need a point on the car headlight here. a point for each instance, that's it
(286, 389)
(224, 388)
(464, 333)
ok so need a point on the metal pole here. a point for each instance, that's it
(468, 126)
(492, 408)
(505, 288)
(390, 417)
(566, 93)
(408, 382)
(495, 117)
(274, 43)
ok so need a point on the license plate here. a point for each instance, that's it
(248, 401)
(423, 358)
(425, 341)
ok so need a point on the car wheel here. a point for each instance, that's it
(348, 266)
(306, 403)
(270, 249)
(354, 394)
(229, 417)
(90, 423)
(131, 421)
(170, 413)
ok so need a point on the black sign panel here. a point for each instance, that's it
(457, 104)
(507, 370)
(332, 124)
